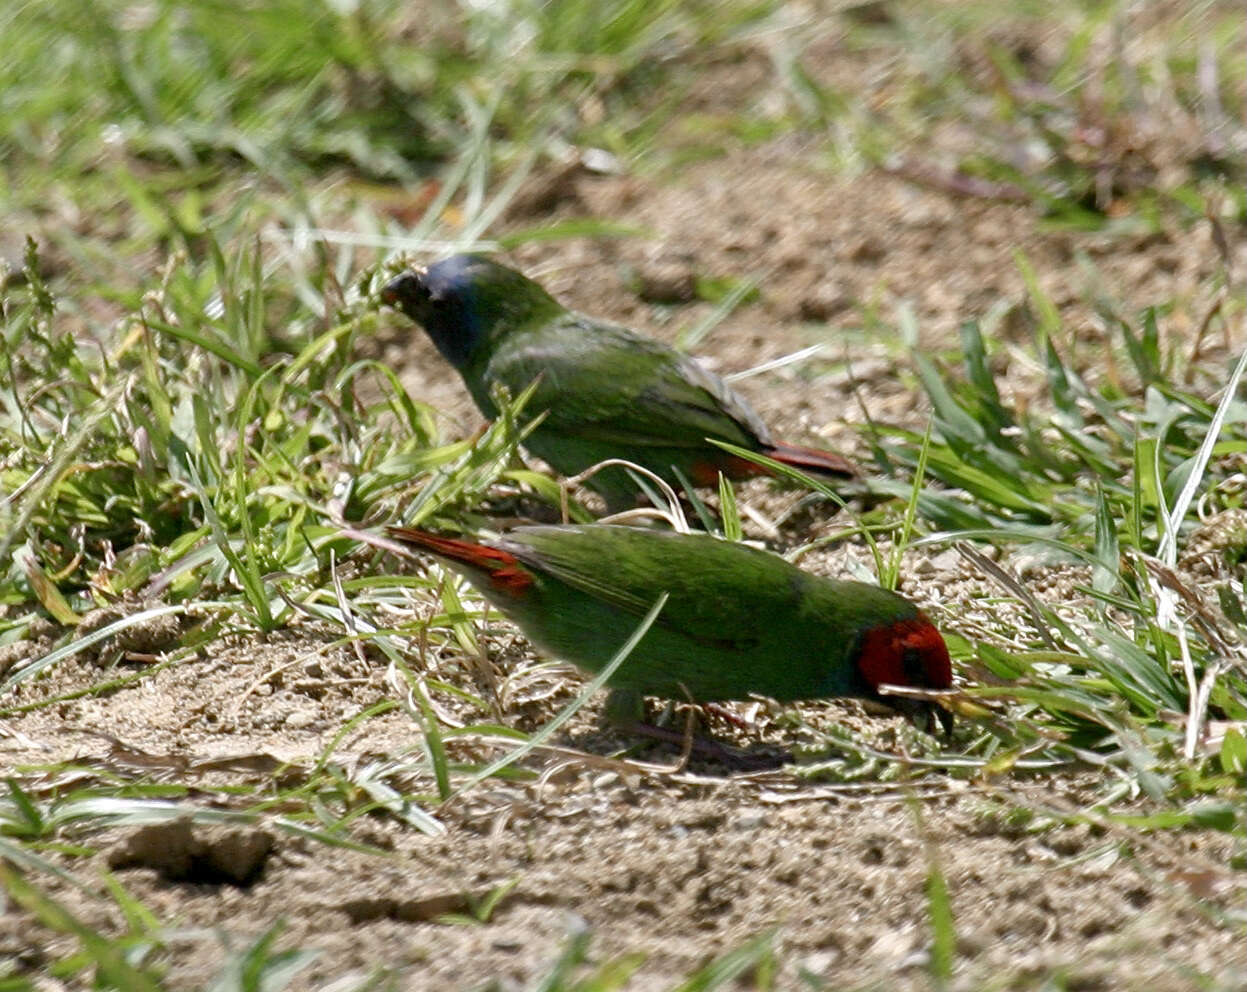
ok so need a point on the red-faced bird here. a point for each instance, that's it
(607, 391)
(737, 622)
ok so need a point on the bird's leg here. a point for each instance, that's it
(686, 746)
(625, 710)
(723, 713)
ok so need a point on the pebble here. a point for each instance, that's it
(666, 281)
(300, 719)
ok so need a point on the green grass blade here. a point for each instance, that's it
(726, 970)
(571, 709)
(728, 510)
(1169, 540)
(943, 932)
(106, 955)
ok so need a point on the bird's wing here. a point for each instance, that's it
(614, 565)
(604, 383)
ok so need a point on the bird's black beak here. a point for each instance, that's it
(923, 714)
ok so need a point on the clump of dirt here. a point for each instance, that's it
(178, 851)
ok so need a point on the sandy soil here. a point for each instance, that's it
(681, 864)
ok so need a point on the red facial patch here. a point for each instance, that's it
(505, 571)
(882, 656)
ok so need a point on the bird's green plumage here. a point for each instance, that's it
(610, 393)
(606, 391)
(737, 622)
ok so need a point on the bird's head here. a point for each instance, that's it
(910, 653)
(465, 301)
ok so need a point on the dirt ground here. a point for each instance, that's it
(682, 865)
(679, 865)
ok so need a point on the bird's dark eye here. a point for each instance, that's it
(915, 671)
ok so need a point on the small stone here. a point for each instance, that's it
(866, 251)
(601, 161)
(894, 947)
(300, 719)
(168, 848)
(824, 301)
(750, 819)
(947, 561)
(818, 963)
(180, 851)
(666, 280)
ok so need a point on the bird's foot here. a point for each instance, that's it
(704, 747)
(727, 716)
(625, 709)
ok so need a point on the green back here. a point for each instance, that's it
(610, 393)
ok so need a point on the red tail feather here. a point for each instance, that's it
(812, 460)
(505, 571)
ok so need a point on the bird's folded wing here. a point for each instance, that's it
(620, 388)
(708, 602)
